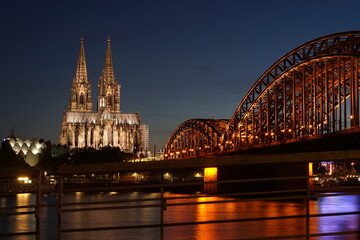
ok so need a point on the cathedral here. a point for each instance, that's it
(108, 126)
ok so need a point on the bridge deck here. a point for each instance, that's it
(203, 162)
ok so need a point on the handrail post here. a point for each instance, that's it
(162, 206)
(37, 207)
(59, 207)
(307, 209)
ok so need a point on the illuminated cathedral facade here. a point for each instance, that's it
(107, 126)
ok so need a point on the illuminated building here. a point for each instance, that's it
(108, 126)
(30, 150)
(145, 136)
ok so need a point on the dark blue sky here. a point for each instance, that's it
(175, 60)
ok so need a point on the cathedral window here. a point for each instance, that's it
(82, 101)
(102, 102)
(109, 102)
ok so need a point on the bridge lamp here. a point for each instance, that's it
(198, 175)
(310, 126)
(24, 179)
(290, 130)
(351, 117)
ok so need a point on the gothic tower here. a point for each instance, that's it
(109, 89)
(82, 127)
(80, 99)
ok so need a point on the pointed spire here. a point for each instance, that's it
(109, 89)
(81, 72)
(80, 99)
(108, 73)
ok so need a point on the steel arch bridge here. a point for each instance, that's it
(313, 90)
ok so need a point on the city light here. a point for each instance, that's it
(210, 175)
(25, 180)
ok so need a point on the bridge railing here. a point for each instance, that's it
(164, 203)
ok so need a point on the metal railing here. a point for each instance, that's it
(163, 203)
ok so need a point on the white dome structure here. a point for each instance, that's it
(16, 148)
(12, 142)
(20, 142)
(32, 159)
(27, 142)
(29, 149)
(33, 149)
(25, 148)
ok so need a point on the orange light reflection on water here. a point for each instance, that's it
(24, 222)
(210, 175)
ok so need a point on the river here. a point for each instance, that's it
(173, 214)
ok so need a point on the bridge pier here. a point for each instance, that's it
(258, 171)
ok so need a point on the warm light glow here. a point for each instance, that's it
(351, 117)
(331, 169)
(210, 175)
(198, 175)
(35, 151)
(310, 168)
(23, 178)
(311, 180)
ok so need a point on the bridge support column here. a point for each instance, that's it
(253, 171)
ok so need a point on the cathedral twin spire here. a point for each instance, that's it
(109, 89)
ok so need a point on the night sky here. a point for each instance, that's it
(175, 60)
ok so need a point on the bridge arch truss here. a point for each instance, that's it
(313, 90)
(196, 137)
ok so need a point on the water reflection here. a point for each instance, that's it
(17, 223)
(336, 204)
(178, 214)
